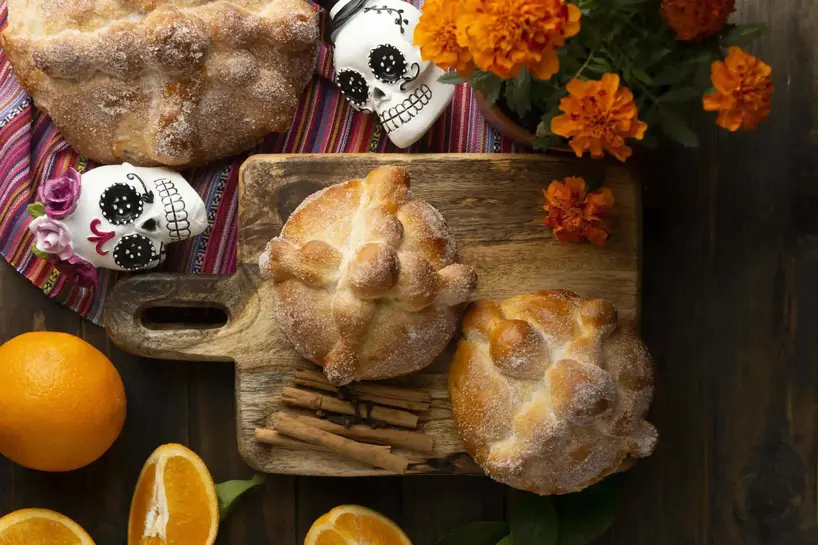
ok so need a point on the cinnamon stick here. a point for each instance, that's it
(363, 396)
(384, 436)
(291, 427)
(381, 390)
(315, 401)
(276, 439)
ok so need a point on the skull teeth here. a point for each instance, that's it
(393, 118)
(176, 216)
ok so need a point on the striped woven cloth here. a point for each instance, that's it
(32, 150)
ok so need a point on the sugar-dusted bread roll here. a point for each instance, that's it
(550, 391)
(163, 82)
(368, 280)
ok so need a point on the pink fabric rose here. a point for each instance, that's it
(79, 271)
(60, 195)
(51, 237)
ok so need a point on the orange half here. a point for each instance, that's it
(355, 525)
(175, 501)
(41, 527)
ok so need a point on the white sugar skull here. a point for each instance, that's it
(380, 71)
(117, 217)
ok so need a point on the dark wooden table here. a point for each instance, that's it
(730, 313)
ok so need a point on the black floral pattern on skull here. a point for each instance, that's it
(135, 252)
(353, 86)
(121, 204)
(387, 63)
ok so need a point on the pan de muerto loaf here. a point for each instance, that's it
(170, 82)
(550, 392)
(367, 278)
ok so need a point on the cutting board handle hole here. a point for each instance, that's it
(190, 317)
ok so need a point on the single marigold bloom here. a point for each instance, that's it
(506, 35)
(436, 35)
(696, 19)
(599, 116)
(574, 214)
(744, 88)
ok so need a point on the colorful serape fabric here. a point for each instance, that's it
(32, 150)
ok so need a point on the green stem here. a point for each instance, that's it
(582, 68)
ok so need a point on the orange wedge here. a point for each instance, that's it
(41, 527)
(175, 501)
(355, 525)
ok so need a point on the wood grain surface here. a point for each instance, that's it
(493, 205)
(730, 311)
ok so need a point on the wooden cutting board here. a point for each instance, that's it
(492, 203)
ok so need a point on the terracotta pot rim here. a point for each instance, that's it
(507, 126)
(500, 121)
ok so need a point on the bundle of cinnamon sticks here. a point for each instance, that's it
(356, 423)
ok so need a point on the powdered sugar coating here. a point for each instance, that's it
(550, 391)
(384, 298)
(177, 83)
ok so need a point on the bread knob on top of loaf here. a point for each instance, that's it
(367, 279)
(550, 391)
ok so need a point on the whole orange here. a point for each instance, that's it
(62, 403)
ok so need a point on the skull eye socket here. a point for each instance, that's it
(387, 63)
(134, 252)
(120, 204)
(353, 86)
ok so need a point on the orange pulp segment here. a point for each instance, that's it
(41, 527)
(355, 525)
(175, 501)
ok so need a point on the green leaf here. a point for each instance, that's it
(506, 541)
(631, 51)
(39, 253)
(705, 56)
(587, 515)
(493, 94)
(676, 128)
(518, 93)
(544, 143)
(36, 209)
(658, 55)
(545, 95)
(600, 65)
(476, 533)
(544, 126)
(642, 76)
(744, 34)
(488, 84)
(534, 521)
(681, 94)
(229, 493)
(451, 78)
(626, 72)
(674, 74)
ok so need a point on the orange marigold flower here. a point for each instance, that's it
(599, 116)
(696, 19)
(744, 88)
(506, 35)
(436, 35)
(574, 215)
